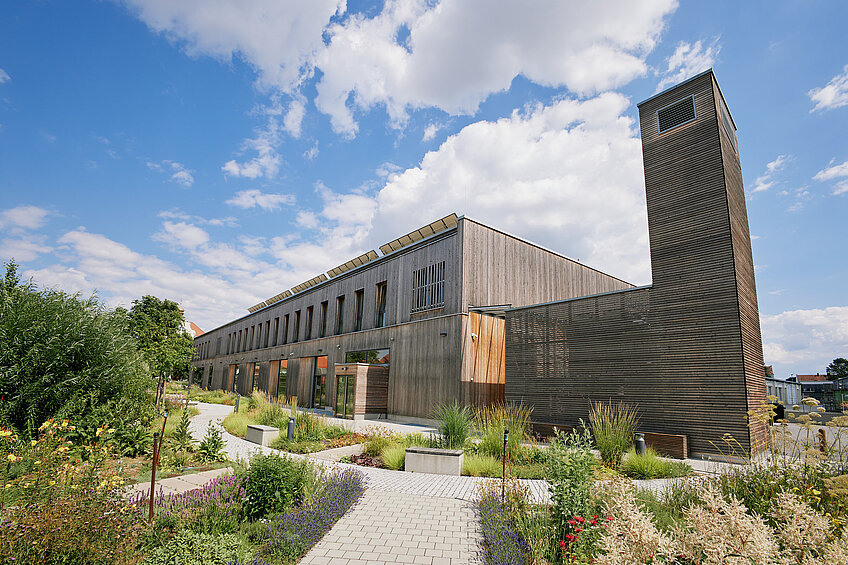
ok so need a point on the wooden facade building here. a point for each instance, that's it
(686, 349)
(421, 307)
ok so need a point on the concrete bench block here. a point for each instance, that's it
(263, 435)
(435, 461)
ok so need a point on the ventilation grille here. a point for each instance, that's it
(727, 125)
(677, 114)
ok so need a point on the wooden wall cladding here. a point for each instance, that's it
(372, 396)
(684, 350)
(483, 361)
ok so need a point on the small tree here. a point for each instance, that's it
(157, 326)
(837, 369)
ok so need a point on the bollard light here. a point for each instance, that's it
(640, 444)
(503, 472)
(290, 431)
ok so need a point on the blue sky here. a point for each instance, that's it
(217, 152)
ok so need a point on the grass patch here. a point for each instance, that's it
(650, 466)
(481, 466)
(394, 457)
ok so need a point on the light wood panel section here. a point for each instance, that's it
(483, 368)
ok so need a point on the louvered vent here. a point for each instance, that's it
(677, 114)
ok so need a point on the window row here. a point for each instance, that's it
(288, 329)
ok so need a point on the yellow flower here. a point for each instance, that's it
(5, 433)
(33, 442)
(111, 430)
(38, 462)
(64, 423)
(8, 485)
(12, 458)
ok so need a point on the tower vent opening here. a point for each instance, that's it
(676, 114)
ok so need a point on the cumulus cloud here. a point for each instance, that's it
(177, 172)
(766, 180)
(833, 95)
(182, 235)
(23, 249)
(805, 341)
(688, 60)
(177, 214)
(835, 172)
(267, 161)
(23, 218)
(452, 55)
(253, 198)
(294, 117)
(430, 131)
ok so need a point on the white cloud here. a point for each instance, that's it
(177, 214)
(458, 53)
(23, 218)
(766, 180)
(4, 76)
(277, 38)
(294, 117)
(833, 95)
(687, 61)
(805, 341)
(430, 131)
(832, 173)
(177, 172)
(255, 198)
(23, 249)
(182, 235)
(267, 161)
(455, 54)
(312, 152)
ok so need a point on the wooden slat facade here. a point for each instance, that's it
(687, 350)
(432, 357)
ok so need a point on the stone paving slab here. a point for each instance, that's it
(390, 527)
(183, 483)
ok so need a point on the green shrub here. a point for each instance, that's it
(67, 357)
(455, 424)
(394, 457)
(211, 448)
(308, 426)
(569, 468)
(491, 421)
(180, 439)
(190, 548)
(377, 443)
(481, 466)
(613, 426)
(274, 484)
(273, 414)
(650, 466)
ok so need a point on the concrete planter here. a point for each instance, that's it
(263, 435)
(435, 461)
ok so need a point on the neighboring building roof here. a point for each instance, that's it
(817, 378)
(193, 329)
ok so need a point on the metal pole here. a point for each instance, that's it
(153, 476)
(503, 471)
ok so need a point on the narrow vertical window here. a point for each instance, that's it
(358, 304)
(307, 332)
(323, 323)
(238, 343)
(276, 330)
(267, 332)
(250, 342)
(258, 336)
(296, 326)
(229, 338)
(218, 346)
(285, 329)
(381, 304)
(428, 287)
(340, 314)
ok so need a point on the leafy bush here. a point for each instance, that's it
(181, 439)
(212, 396)
(294, 532)
(481, 466)
(377, 443)
(491, 421)
(64, 356)
(66, 510)
(569, 469)
(274, 484)
(650, 466)
(613, 426)
(394, 457)
(455, 424)
(211, 447)
(192, 548)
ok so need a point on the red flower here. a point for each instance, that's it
(572, 523)
(579, 519)
(561, 544)
(578, 530)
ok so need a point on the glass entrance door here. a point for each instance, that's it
(345, 394)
